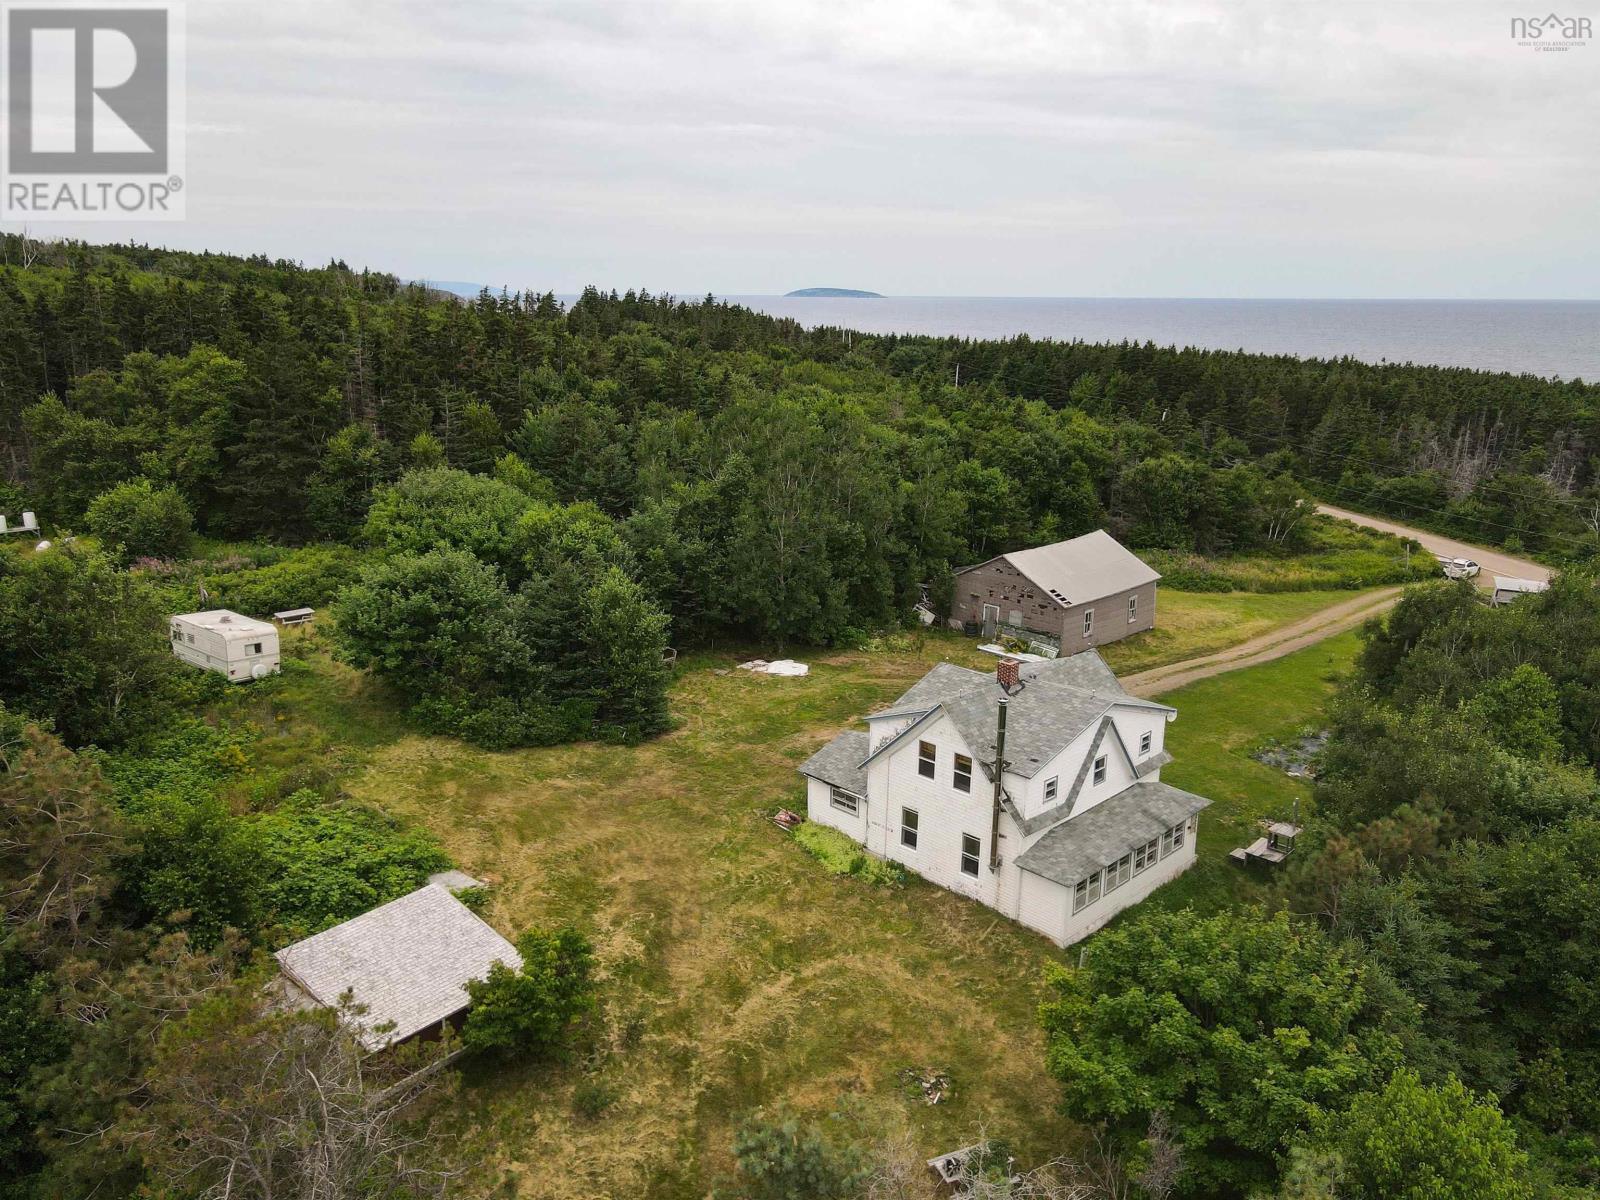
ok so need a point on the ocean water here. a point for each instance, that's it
(1559, 338)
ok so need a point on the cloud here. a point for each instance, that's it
(1118, 147)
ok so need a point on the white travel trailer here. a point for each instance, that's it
(239, 647)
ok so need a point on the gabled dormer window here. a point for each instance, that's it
(1051, 786)
(1145, 742)
(1100, 769)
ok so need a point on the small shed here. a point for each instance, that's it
(1507, 589)
(406, 964)
(239, 647)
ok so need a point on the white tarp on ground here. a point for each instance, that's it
(783, 666)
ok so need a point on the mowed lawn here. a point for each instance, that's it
(736, 973)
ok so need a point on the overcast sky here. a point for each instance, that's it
(914, 147)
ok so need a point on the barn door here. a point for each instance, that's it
(991, 620)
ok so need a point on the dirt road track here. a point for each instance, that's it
(1493, 562)
(1319, 625)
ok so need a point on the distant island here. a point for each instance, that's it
(850, 293)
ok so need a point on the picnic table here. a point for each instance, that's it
(294, 616)
(1273, 848)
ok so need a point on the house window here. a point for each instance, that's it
(1133, 609)
(970, 849)
(1050, 787)
(1119, 872)
(908, 828)
(1095, 882)
(927, 759)
(1177, 837)
(1100, 769)
(1144, 856)
(1166, 843)
(1088, 622)
(844, 801)
(963, 778)
(1145, 742)
(1080, 896)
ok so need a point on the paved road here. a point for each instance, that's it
(1494, 562)
(1347, 614)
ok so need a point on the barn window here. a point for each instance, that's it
(927, 759)
(1133, 609)
(908, 828)
(844, 801)
(1100, 769)
(1088, 622)
(963, 778)
(970, 849)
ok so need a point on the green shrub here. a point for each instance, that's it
(309, 577)
(1333, 555)
(592, 1097)
(528, 1011)
(781, 1159)
(841, 855)
(326, 863)
(138, 520)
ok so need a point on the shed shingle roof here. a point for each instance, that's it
(407, 962)
(1083, 844)
(1082, 568)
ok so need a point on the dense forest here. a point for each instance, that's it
(513, 508)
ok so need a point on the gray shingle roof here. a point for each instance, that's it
(839, 762)
(407, 961)
(1059, 699)
(1082, 568)
(1083, 844)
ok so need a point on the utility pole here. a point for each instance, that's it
(999, 776)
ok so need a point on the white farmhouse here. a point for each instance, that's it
(1080, 825)
(239, 647)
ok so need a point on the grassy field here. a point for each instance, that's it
(1191, 624)
(737, 971)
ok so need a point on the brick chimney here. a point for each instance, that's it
(1008, 673)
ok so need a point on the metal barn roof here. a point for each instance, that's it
(1081, 569)
(408, 962)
